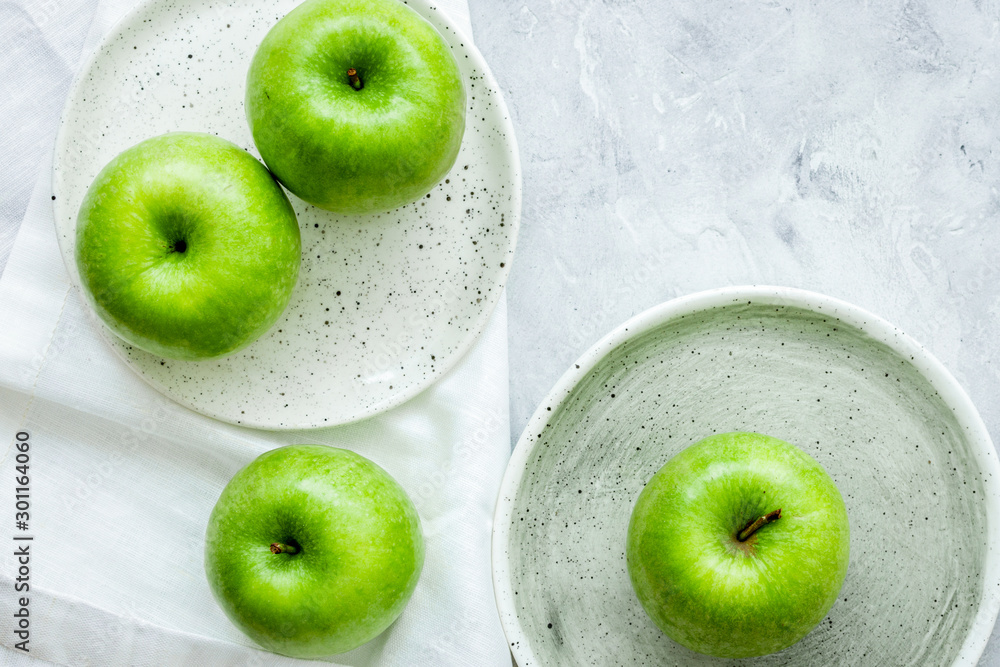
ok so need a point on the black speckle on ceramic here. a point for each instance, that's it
(901, 440)
(385, 303)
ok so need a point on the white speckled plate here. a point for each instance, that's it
(385, 303)
(898, 435)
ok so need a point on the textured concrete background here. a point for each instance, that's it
(850, 148)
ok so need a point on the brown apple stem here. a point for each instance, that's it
(754, 526)
(279, 548)
(354, 79)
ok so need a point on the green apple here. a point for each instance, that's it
(313, 550)
(356, 105)
(738, 546)
(187, 247)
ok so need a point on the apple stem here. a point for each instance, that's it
(754, 526)
(354, 79)
(279, 548)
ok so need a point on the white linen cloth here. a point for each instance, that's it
(123, 480)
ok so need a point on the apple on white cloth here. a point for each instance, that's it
(313, 550)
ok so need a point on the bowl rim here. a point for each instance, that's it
(932, 370)
(462, 44)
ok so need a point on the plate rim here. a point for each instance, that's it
(426, 9)
(929, 367)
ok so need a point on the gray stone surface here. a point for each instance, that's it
(850, 148)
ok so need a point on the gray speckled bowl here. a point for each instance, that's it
(907, 449)
(385, 303)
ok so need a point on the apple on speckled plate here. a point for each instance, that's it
(738, 546)
(356, 105)
(187, 247)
